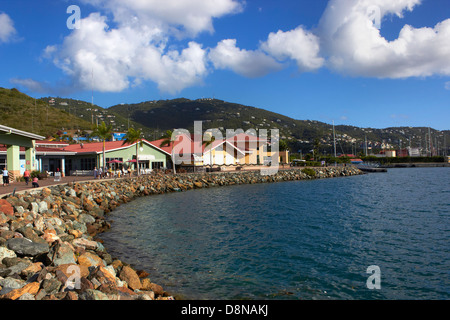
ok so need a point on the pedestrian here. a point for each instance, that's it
(100, 172)
(27, 175)
(95, 172)
(35, 182)
(5, 177)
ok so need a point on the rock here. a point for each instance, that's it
(62, 254)
(8, 284)
(6, 253)
(6, 207)
(3, 218)
(30, 288)
(85, 243)
(51, 286)
(86, 218)
(89, 259)
(157, 289)
(91, 294)
(43, 207)
(26, 247)
(198, 184)
(130, 276)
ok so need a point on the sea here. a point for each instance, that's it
(377, 236)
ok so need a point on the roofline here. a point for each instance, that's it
(21, 133)
(120, 148)
(225, 141)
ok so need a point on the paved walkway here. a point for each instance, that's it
(21, 187)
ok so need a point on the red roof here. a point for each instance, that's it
(38, 149)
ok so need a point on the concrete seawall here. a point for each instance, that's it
(48, 244)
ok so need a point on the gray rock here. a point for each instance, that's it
(86, 218)
(43, 207)
(26, 247)
(9, 284)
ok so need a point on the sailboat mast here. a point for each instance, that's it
(334, 143)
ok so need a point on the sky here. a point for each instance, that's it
(366, 63)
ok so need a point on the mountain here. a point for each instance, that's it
(49, 115)
(23, 112)
(301, 135)
(93, 114)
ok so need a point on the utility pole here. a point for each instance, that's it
(365, 139)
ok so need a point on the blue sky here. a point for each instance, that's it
(368, 63)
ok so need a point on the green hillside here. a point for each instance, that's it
(94, 114)
(300, 134)
(48, 115)
(23, 112)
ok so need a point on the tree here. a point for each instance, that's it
(134, 136)
(283, 145)
(169, 141)
(103, 132)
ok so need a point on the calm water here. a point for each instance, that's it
(295, 240)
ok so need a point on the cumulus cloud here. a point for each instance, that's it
(7, 30)
(112, 60)
(299, 45)
(353, 45)
(132, 47)
(188, 17)
(134, 44)
(247, 63)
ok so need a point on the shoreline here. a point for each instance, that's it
(48, 236)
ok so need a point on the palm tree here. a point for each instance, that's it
(208, 143)
(169, 141)
(103, 132)
(134, 136)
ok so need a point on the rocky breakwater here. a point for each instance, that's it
(48, 249)
(48, 244)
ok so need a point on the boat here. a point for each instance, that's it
(370, 167)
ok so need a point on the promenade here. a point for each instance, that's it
(21, 187)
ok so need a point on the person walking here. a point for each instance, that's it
(27, 175)
(5, 177)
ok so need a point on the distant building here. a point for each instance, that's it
(414, 152)
(390, 153)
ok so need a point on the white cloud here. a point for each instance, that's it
(174, 16)
(299, 45)
(133, 47)
(247, 63)
(30, 84)
(121, 57)
(354, 46)
(7, 30)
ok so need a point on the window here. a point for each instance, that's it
(157, 165)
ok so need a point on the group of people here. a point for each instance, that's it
(98, 173)
(26, 175)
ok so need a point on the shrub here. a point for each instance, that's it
(310, 172)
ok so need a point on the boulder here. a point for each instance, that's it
(130, 276)
(6, 207)
(26, 247)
